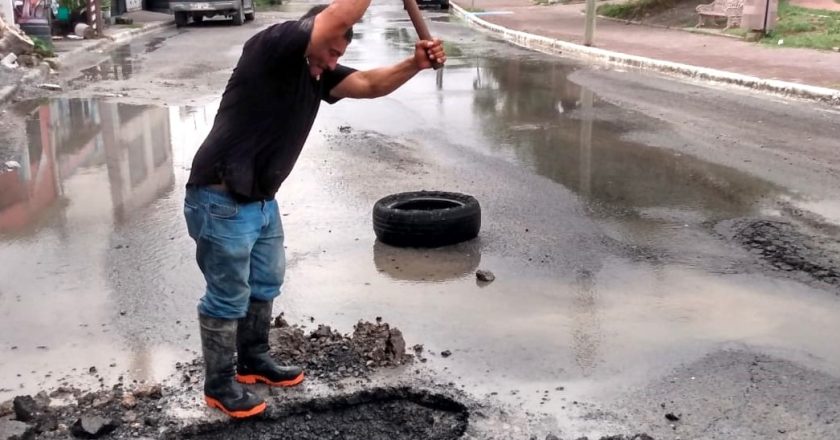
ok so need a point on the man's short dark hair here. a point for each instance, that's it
(315, 10)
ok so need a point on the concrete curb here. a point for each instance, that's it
(553, 46)
(41, 72)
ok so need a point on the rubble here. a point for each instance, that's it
(10, 61)
(48, 86)
(485, 276)
(90, 426)
(329, 355)
(13, 40)
(26, 408)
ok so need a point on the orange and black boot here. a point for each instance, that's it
(254, 364)
(221, 391)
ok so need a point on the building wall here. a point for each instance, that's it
(134, 5)
(6, 11)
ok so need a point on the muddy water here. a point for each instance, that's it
(97, 269)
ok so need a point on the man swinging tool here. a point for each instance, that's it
(265, 116)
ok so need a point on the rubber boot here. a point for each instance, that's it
(254, 364)
(221, 391)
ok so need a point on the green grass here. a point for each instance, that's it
(635, 9)
(737, 32)
(801, 27)
(452, 51)
(43, 48)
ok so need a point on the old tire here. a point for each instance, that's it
(426, 218)
(181, 19)
(251, 15)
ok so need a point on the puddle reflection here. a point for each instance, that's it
(69, 137)
(122, 64)
(92, 242)
(529, 109)
(427, 265)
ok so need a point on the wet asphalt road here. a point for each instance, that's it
(610, 201)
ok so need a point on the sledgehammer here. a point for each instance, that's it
(419, 25)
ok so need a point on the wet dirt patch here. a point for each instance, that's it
(788, 248)
(397, 154)
(384, 413)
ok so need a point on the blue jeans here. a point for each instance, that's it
(239, 249)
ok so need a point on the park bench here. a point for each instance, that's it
(731, 9)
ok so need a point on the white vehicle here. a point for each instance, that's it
(239, 10)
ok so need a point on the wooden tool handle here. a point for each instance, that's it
(419, 25)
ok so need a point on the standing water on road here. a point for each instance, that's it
(91, 244)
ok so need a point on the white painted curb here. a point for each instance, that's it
(553, 46)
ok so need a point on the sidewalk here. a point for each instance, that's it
(566, 23)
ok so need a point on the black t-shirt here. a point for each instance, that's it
(266, 113)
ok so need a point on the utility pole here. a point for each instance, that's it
(589, 33)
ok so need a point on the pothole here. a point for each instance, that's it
(787, 249)
(377, 414)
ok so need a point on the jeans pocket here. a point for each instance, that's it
(223, 209)
(193, 218)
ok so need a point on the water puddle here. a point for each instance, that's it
(523, 108)
(526, 111)
(427, 265)
(86, 223)
(532, 114)
(123, 62)
(121, 65)
(155, 43)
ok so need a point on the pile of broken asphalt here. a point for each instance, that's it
(371, 413)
